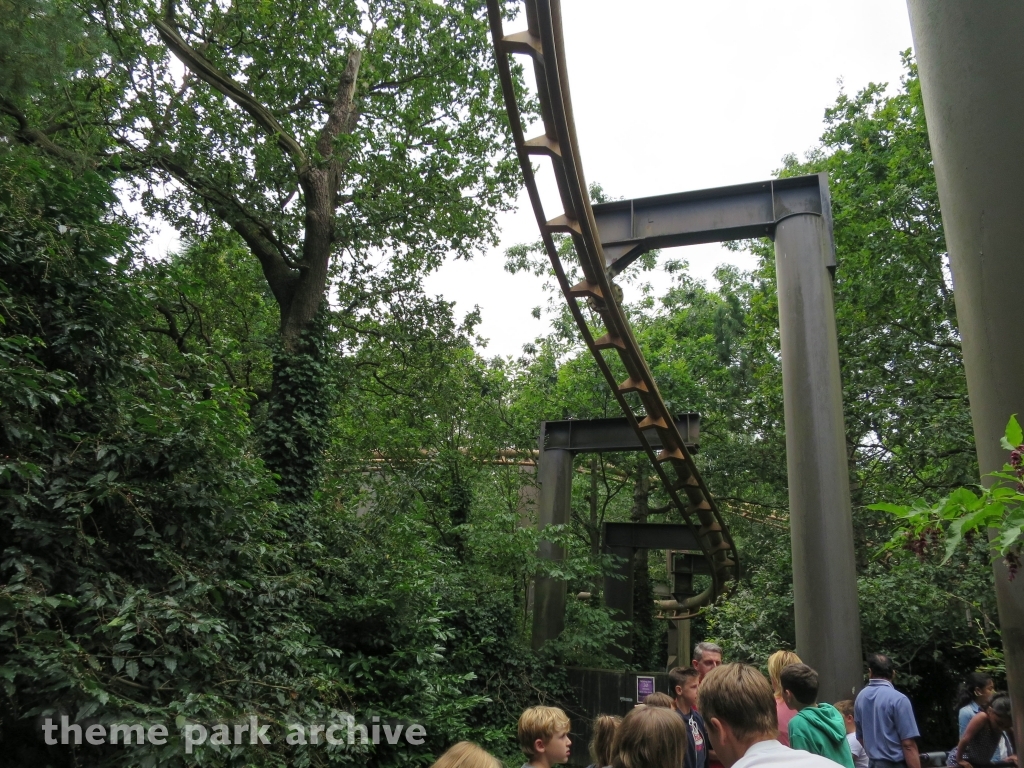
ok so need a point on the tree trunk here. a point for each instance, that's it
(295, 433)
(298, 409)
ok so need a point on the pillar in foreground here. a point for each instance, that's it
(971, 64)
(554, 475)
(821, 524)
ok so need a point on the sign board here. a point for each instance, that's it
(644, 688)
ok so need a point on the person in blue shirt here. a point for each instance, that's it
(975, 692)
(885, 720)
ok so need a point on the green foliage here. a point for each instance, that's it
(968, 511)
(150, 570)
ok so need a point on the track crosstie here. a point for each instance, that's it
(638, 395)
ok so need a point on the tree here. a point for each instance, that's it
(328, 137)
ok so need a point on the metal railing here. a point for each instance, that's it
(638, 395)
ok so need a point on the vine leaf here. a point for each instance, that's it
(1014, 434)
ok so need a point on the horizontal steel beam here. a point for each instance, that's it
(608, 435)
(630, 228)
(650, 536)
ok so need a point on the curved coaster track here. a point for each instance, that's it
(638, 395)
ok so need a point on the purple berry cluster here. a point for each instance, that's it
(1012, 558)
(923, 542)
(1017, 462)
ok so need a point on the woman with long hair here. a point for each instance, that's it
(776, 663)
(650, 737)
(601, 742)
(974, 693)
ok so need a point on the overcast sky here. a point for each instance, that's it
(673, 95)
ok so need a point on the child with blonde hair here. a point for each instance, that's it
(466, 754)
(543, 735)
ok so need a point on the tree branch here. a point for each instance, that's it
(343, 114)
(280, 275)
(213, 77)
(31, 136)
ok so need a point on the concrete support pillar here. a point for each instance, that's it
(971, 64)
(685, 644)
(618, 591)
(824, 568)
(554, 475)
(529, 494)
(618, 585)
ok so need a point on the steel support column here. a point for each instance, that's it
(618, 586)
(821, 526)
(971, 64)
(554, 475)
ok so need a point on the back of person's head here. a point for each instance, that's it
(738, 694)
(701, 648)
(801, 681)
(650, 737)
(776, 662)
(974, 682)
(1000, 706)
(603, 739)
(466, 754)
(677, 677)
(845, 707)
(659, 699)
(540, 723)
(881, 665)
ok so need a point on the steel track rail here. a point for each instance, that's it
(638, 395)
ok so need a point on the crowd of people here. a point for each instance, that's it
(731, 716)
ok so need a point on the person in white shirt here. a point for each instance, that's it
(860, 755)
(738, 707)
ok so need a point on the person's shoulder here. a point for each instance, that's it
(805, 759)
(803, 716)
(830, 712)
(899, 697)
(780, 755)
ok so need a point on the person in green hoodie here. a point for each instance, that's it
(816, 728)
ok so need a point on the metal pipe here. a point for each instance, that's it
(971, 64)
(821, 523)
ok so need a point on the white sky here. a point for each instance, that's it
(673, 95)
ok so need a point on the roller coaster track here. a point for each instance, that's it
(638, 395)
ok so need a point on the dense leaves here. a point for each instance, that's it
(151, 572)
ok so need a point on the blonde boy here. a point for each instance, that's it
(544, 736)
